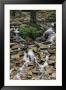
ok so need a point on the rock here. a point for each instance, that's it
(53, 57)
(49, 70)
(21, 40)
(54, 75)
(21, 53)
(11, 65)
(30, 72)
(36, 72)
(17, 56)
(41, 56)
(34, 49)
(13, 73)
(53, 47)
(23, 78)
(40, 39)
(52, 51)
(42, 46)
(11, 51)
(13, 57)
(17, 63)
(29, 41)
(17, 77)
(29, 77)
(33, 78)
(24, 47)
(30, 65)
(12, 44)
(36, 43)
(14, 52)
(15, 47)
(51, 62)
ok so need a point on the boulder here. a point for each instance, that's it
(15, 47)
(52, 51)
(49, 70)
(53, 57)
(42, 46)
(51, 62)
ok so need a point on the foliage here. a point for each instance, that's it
(30, 31)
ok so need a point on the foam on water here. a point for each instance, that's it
(51, 38)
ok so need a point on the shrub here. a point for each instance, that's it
(30, 31)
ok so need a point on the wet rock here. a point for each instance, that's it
(12, 44)
(21, 53)
(36, 72)
(11, 65)
(17, 63)
(52, 51)
(40, 57)
(31, 66)
(40, 39)
(53, 75)
(53, 47)
(51, 62)
(33, 78)
(11, 51)
(15, 47)
(17, 56)
(29, 77)
(34, 49)
(29, 72)
(49, 70)
(53, 57)
(42, 46)
(13, 57)
(13, 73)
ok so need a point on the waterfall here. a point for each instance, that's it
(22, 70)
(51, 38)
(31, 55)
(17, 34)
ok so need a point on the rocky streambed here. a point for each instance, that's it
(42, 68)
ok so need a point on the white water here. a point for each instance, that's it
(22, 70)
(17, 34)
(51, 38)
(31, 55)
(49, 31)
(51, 35)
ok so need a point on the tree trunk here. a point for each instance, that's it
(33, 17)
(12, 12)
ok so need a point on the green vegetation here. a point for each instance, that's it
(30, 31)
(31, 18)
